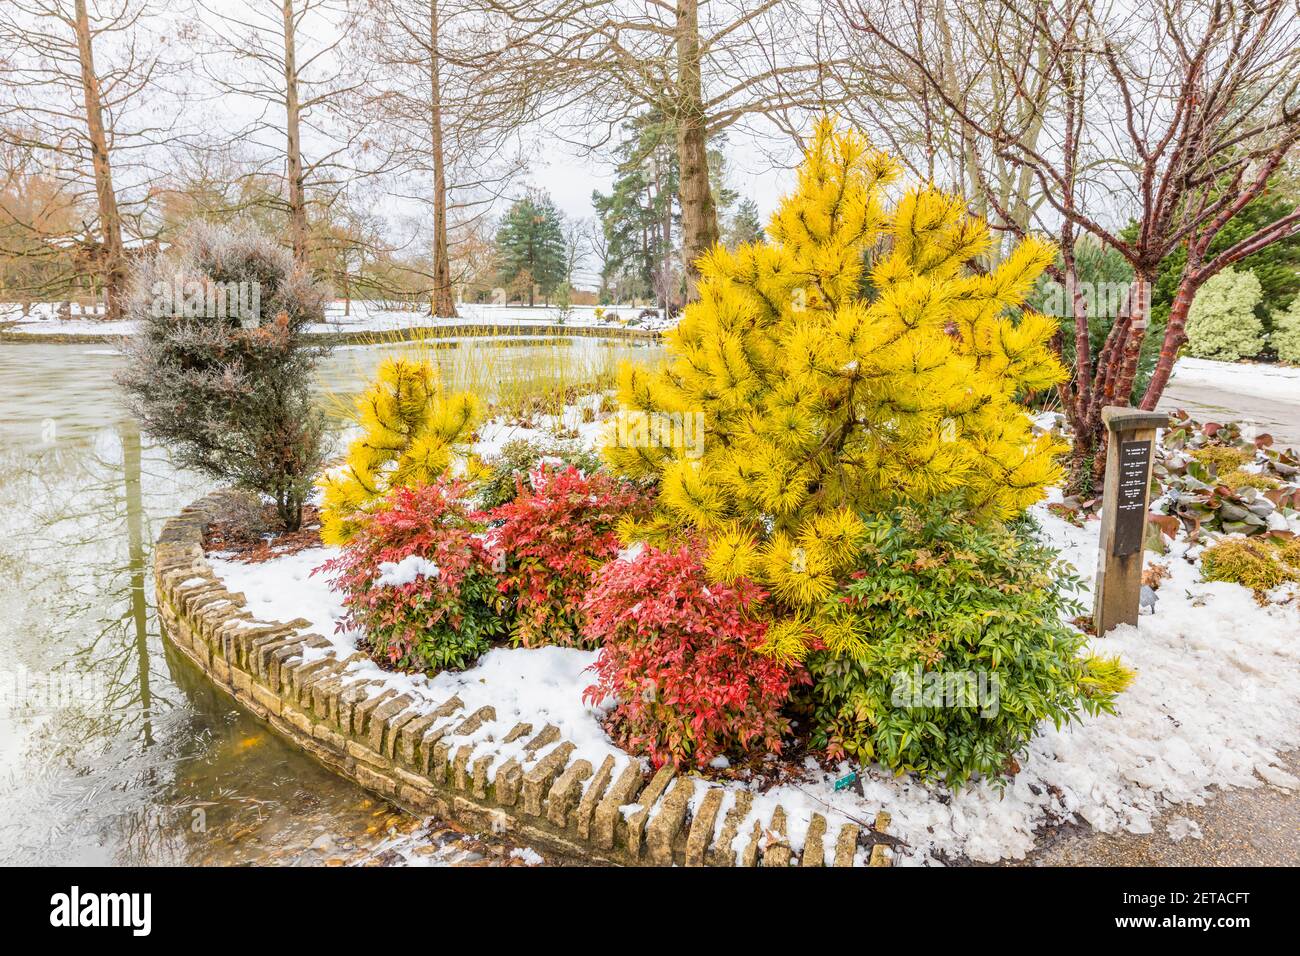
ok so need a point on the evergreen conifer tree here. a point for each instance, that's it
(745, 225)
(530, 241)
(640, 215)
(412, 429)
(819, 404)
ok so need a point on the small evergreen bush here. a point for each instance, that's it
(412, 430)
(418, 580)
(1286, 333)
(220, 369)
(947, 648)
(681, 659)
(554, 534)
(819, 403)
(1222, 323)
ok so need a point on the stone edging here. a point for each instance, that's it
(375, 337)
(412, 757)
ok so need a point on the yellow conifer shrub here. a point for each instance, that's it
(413, 429)
(825, 393)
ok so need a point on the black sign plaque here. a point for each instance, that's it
(1131, 496)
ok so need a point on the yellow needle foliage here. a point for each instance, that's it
(412, 430)
(825, 393)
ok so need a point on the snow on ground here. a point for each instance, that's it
(538, 686)
(1216, 699)
(493, 435)
(364, 317)
(1258, 379)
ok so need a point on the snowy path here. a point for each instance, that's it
(1266, 395)
(1278, 417)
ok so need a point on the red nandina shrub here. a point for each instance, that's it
(554, 534)
(419, 582)
(680, 657)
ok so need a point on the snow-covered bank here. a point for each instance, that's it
(364, 317)
(1217, 698)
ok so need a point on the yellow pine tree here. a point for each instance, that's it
(825, 393)
(412, 430)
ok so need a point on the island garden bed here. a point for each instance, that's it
(809, 602)
(1215, 701)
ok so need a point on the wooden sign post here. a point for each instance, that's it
(1132, 436)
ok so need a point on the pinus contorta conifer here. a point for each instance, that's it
(825, 394)
(412, 428)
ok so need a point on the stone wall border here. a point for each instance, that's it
(415, 757)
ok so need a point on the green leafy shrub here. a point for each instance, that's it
(1286, 333)
(519, 458)
(1222, 323)
(950, 648)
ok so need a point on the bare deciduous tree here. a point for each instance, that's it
(452, 141)
(705, 65)
(1173, 116)
(69, 94)
(283, 58)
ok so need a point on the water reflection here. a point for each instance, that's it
(140, 760)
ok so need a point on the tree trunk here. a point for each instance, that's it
(442, 302)
(666, 263)
(699, 214)
(293, 145)
(113, 258)
(1175, 337)
(1139, 310)
(347, 289)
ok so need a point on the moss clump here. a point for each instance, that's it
(1221, 458)
(1246, 479)
(1258, 565)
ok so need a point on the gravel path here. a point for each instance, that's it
(1259, 827)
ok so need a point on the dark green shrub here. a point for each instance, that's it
(949, 648)
(220, 369)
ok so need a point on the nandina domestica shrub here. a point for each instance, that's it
(681, 659)
(554, 534)
(520, 457)
(947, 648)
(419, 581)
